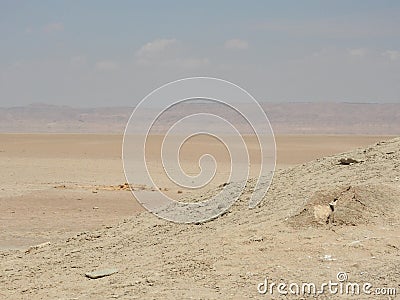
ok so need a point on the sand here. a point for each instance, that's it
(64, 189)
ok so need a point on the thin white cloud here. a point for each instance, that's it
(392, 54)
(157, 50)
(106, 65)
(236, 44)
(167, 53)
(53, 27)
(358, 52)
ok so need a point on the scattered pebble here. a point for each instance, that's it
(328, 257)
(36, 247)
(257, 239)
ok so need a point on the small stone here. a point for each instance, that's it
(355, 243)
(347, 161)
(101, 273)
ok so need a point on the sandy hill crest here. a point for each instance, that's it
(228, 257)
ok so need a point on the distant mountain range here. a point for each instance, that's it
(286, 118)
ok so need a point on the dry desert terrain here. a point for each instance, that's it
(67, 194)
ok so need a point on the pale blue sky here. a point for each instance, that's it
(113, 53)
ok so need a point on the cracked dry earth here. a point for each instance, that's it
(227, 258)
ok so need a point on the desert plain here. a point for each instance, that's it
(66, 210)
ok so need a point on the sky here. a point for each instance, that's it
(113, 53)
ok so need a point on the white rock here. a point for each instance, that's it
(101, 273)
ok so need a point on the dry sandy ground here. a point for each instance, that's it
(65, 189)
(55, 185)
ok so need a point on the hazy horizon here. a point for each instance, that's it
(77, 106)
(297, 118)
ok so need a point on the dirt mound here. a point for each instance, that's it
(352, 205)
